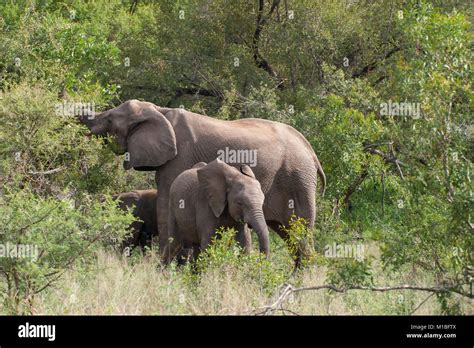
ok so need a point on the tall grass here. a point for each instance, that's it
(137, 286)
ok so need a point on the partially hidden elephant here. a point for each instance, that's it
(213, 195)
(142, 203)
(170, 141)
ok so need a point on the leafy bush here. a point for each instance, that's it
(55, 236)
(300, 240)
(400, 183)
(350, 272)
(224, 256)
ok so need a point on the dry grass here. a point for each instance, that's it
(137, 287)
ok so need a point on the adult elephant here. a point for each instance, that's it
(171, 141)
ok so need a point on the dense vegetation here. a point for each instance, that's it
(381, 89)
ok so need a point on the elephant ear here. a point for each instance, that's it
(199, 165)
(151, 141)
(245, 169)
(128, 200)
(213, 181)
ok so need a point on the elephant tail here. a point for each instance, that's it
(321, 174)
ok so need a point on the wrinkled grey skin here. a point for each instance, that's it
(143, 206)
(171, 141)
(210, 196)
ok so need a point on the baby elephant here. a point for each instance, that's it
(207, 197)
(143, 205)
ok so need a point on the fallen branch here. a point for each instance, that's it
(289, 289)
(46, 172)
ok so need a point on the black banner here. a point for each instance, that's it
(291, 331)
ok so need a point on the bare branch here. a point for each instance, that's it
(353, 187)
(446, 142)
(370, 148)
(24, 228)
(133, 6)
(289, 289)
(259, 60)
(422, 303)
(59, 274)
(46, 172)
(396, 161)
(367, 69)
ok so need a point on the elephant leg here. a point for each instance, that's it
(133, 239)
(206, 225)
(184, 255)
(162, 220)
(143, 240)
(244, 238)
(174, 242)
(205, 240)
(306, 208)
(206, 231)
(300, 202)
(278, 228)
(171, 250)
(196, 251)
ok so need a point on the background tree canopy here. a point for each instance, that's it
(382, 90)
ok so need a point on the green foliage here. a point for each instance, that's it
(55, 236)
(400, 182)
(349, 272)
(48, 150)
(339, 132)
(66, 47)
(300, 239)
(449, 305)
(222, 251)
(224, 255)
(435, 232)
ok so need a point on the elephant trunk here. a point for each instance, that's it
(87, 120)
(257, 221)
(95, 124)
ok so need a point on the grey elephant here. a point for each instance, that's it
(206, 197)
(170, 141)
(143, 206)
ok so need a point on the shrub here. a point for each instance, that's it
(224, 256)
(55, 237)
